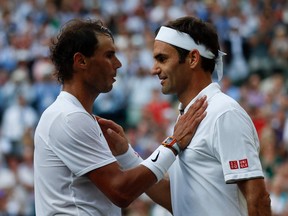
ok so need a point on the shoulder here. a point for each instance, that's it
(221, 103)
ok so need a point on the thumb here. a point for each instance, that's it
(112, 134)
(109, 131)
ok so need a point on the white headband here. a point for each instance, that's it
(185, 41)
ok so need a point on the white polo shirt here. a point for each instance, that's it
(68, 144)
(223, 151)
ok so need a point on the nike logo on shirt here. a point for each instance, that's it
(156, 158)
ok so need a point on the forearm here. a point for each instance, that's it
(131, 184)
(160, 194)
(261, 207)
(122, 187)
(257, 197)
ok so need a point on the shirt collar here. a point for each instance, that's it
(209, 91)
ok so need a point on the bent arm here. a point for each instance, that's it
(257, 197)
(122, 187)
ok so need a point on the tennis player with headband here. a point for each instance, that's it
(219, 173)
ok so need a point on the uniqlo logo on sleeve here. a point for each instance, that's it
(243, 163)
(233, 164)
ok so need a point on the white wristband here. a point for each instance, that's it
(160, 161)
(129, 159)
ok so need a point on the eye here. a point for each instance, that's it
(161, 58)
(110, 55)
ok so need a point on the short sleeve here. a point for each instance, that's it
(237, 146)
(79, 142)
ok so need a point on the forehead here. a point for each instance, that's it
(105, 42)
(163, 48)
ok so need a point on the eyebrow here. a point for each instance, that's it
(160, 55)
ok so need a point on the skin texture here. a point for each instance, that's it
(93, 75)
(96, 74)
(258, 200)
(118, 144)
(170, 73)
(186, 81)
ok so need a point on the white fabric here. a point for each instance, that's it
(160, 161)
(129, 159)
(184, 41)
(68, 144)
(219, 64)
(200, 175)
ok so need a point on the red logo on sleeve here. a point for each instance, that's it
(233, 164)
(243, 163)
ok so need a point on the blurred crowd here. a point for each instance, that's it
(254, 34)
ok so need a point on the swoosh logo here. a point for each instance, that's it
(156, 158)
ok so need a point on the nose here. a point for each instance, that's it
(118, 64)
(155, 69)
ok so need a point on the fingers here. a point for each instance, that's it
(114, 135)
(97, 117)
(188, 123)
(105, 124)
(198, 107)
(117, 144)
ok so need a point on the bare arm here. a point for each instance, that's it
(160, 193)
(257, 197)
(184, 129)
(122, 187)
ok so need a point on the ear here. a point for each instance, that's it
(79, 60)
(193, 58)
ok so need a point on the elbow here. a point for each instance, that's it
(263, 206)
(122, 200)
(122, 203)
(267, 200)
(122, 195)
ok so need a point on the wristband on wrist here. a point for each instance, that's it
(129, 159)
(160, 161)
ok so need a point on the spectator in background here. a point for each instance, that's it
(19, 118)
(45, 86)
(238, 51)
(157, 109)
(186, 51)
(278, 48)
(140, 87)
(42, 19)
(69, 135)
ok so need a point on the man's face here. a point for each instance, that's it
(102, 66)
(167, 67)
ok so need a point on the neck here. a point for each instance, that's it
(196, 86)
(84, 96)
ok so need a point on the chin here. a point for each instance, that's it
(166, 91)
(106, 90)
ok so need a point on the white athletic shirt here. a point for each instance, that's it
(223, 151)
(68, 144)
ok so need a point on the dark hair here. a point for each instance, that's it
(76, 36)
(202, 33)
